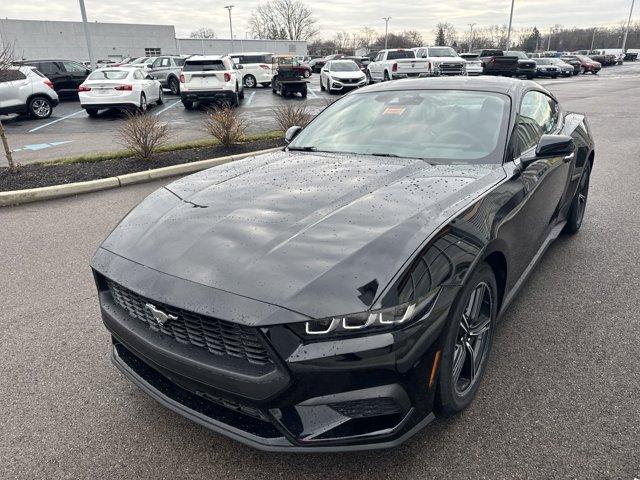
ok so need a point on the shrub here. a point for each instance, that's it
(143, 134)
(226, 125)
(291, 114)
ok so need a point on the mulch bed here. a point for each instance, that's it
(33, 176)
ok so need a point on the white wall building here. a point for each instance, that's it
(36, 39)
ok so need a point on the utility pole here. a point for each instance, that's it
(471, 25)
(509, 31)
(229, 7)
(87, 36)
(626, 31)
(593, 38)
(549, 42)
(386, 30)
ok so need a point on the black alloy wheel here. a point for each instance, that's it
(579, 202)
(174, 86)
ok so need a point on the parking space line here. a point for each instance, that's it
(248, 101)
(168, 107)
(56, 121)
(313, 94)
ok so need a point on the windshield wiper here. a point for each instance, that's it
(303, 149)
(394, 155)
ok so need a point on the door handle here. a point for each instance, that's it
(568, 158)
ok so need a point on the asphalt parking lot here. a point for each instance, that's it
(561, 398)
(69, 131)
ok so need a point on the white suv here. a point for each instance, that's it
(210, 78)
(256, 68)
(26, 90)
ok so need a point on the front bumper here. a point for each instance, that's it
(340, 85)
(352, 394)
(397, 76)
(526, 71)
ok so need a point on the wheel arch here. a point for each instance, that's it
(39, 94)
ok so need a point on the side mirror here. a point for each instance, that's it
(150, 77)
(292, 133)
(424, 55)
(554, 146)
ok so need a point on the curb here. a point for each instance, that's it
(17, 197)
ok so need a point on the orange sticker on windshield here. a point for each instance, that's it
(393, 111)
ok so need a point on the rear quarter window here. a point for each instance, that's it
(400, 54)
(11, 75)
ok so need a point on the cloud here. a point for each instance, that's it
(334, 15)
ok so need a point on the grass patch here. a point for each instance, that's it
(203, 143)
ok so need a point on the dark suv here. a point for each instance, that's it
(66, 75)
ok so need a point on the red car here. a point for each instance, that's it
(588, 65)
(303, 69)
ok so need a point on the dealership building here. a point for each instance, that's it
(33, 39)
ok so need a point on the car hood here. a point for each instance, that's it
(447, 59)
(303, 231)
(356, 74)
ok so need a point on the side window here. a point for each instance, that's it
(179, 61)
(11, 75)
(378, 57)
(49, 68)
(156, 63)
(538, 116)
(165, 62)
(138, 75)
(73, 67)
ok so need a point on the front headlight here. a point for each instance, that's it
(364, 323)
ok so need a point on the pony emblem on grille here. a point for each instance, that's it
(158, 315)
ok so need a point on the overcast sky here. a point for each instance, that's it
(333, 15)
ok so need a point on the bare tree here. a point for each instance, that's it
(366, 37)
(143, 134)
(283, 20)
(226, 125)
(6, 56)
(203, 32)
(445, 34)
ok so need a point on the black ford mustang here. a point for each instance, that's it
(339, 294)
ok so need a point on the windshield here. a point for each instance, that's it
(109, 75)
(344, 67)
(543, 61)
(396, 54)
(137, 61)
(442, 52)
(443, 126)
(520, 55)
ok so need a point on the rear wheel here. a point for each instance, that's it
(92, 112)
(468, 342)
(174, 86)
(188, 104)
(249, 81)
(386, 76)
(579, 202)
(235, 100)
(307, 74)
(241, 94)
(40, 107)
(143, 103)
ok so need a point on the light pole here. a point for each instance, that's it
(626, 31)
(386, 30)
(229, 7)
(471, 25)
(549, 42)
(87, 36)
(509, 31)
(593, 39)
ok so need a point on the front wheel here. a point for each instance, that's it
(160, 100)
(386, 76)
(579, 202)
(468, 342)
(40, 107)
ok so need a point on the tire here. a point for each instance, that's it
(160, 100)
(386, 76)
(530, 77)
(584, 70)
(174, 86)
(235, 100)
(92, 112)
(241, 94)
(306, 74)
(249, 81)
(368, 74)
(266, 84)
(188, 104)
(40, 107)
(321, 85)
(579, 202)
(329, 86)
(143, 103)
(457, 384)
(303, 93)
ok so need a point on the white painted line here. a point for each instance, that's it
(56, 121)
(313, 94)
(248, 101)
(168, 107)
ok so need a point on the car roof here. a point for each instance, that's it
(511, 87)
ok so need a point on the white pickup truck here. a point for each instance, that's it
(445, 60)
(398, 63)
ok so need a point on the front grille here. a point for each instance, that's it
(451, 68)
(348, 80)
(372, 407)
(219, 337)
